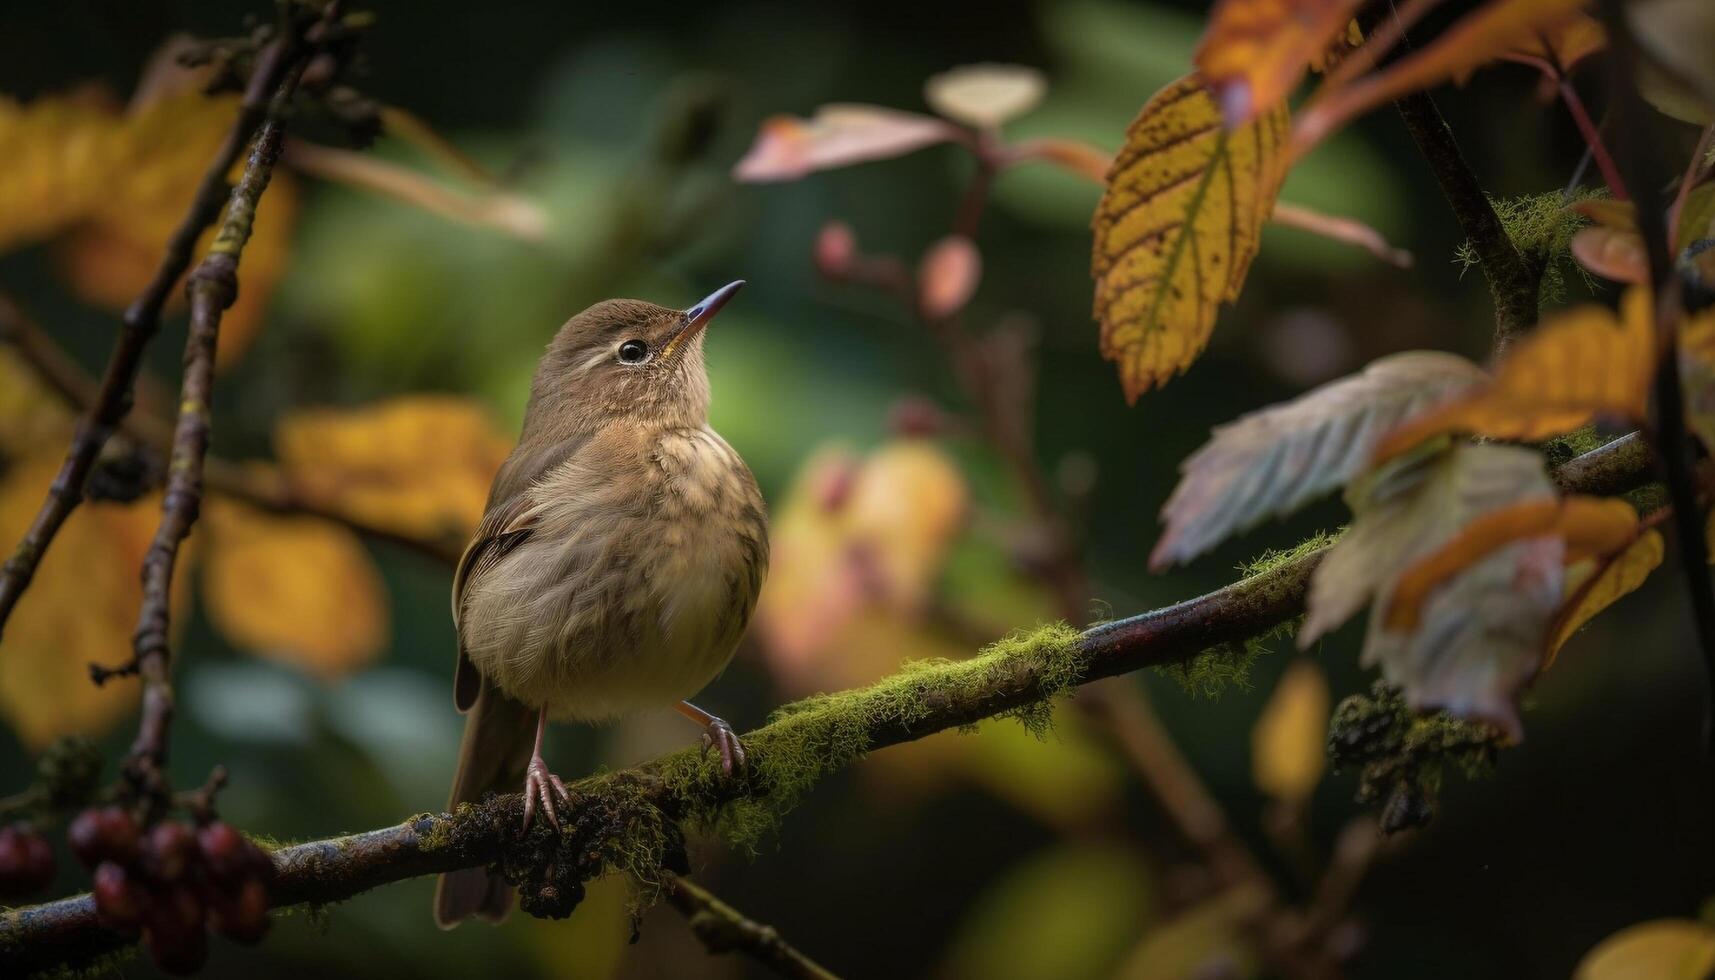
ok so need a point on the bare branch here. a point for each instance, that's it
(723, 929)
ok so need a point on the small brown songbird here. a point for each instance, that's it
(615, 569)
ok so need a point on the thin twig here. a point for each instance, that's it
(66, 931)
(213, 286)
(723, 929)
(1667, 409)
(142, 320)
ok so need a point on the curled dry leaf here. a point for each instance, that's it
(1665, 949)
(985, 96)
(418, 465)
(1590, 527)
(1479, 37)
(1271, 462)
(1255, 52)
(841, 134)
(1406, 511)
(947, 277)
(1579, 364)
(293, 589)
(1595, 584)
(1612, 254)
(1178, 227)
(1289, 743)
(80, 609)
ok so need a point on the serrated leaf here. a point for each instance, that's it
(1404, 512)
(985, 96)
(1178, 227)
(1577, 365)
(1481, 637)
(1255, 52)
(1593, 589)
(1271, 462)
(1479, 37)
(1590, 527)
(838, 135)
(1289, 741)
(1665, 949)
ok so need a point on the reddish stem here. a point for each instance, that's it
(1592, 138)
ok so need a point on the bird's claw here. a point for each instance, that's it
(720, 735)
(544, 787)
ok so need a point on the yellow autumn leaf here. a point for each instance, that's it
(1289, 741)
(1579, 364)
(1665, 949)
(1178, 227)
(293, 589)
(81, 608)
(419, 465)
(1256, 51)
(31, 417)
(108, 188)
(1595, 584)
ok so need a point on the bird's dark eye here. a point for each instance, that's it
(633, 352)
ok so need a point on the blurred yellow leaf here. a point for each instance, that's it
(109, 188)
(1178, 227)
(1208, 940)
(81, 608)
(31, 417)
(1066, 913)
(1256, 51)
(1592, 527)
(419, 465)
(985, 96)
(1665, 949)
(1289, 742)
(293, 589)
(1576, 365)
(1697, 369)
(1597, 583)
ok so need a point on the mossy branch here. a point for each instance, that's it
(630, 818)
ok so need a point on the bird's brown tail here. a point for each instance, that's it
(498, 735)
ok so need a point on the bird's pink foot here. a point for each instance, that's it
(544, 788)
(719, 735)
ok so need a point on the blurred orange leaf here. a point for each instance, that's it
(947, 276)
(1479, 37)
(81, 608)
(293, 589)
(1178, 227)
(1254, 52)
(1556, 50)
(1289, 742)
(841, 134)
(1597, 583)
(1592, 527)
(985, 96)
(1580, 363)
(420, 465)
(1611, 253)
(1665, 949)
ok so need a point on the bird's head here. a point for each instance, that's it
(625, 358)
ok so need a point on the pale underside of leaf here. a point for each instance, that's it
(1406, 511)
(1271, 462)
(1178, 227)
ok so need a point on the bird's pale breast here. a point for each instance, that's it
(635, 583)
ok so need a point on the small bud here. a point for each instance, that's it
(914, 415)
(836, 250)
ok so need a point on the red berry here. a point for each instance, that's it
(26, 861)
(103, 834)
(179, 954)
(118, 900)
(225, 853)
(243, 915)
(169, 851)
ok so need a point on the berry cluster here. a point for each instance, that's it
(173, 883)
(26, 861)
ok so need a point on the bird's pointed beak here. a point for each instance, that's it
(699, 315)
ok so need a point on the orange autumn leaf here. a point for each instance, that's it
(1556, 50)
(1580, 363)
(947, 276)
(1178, 227)
(293, 589)
(81, 608)
(1590, 527)
(419, 465)
(1478, 38)
(1603, 582)
(1255, 51)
